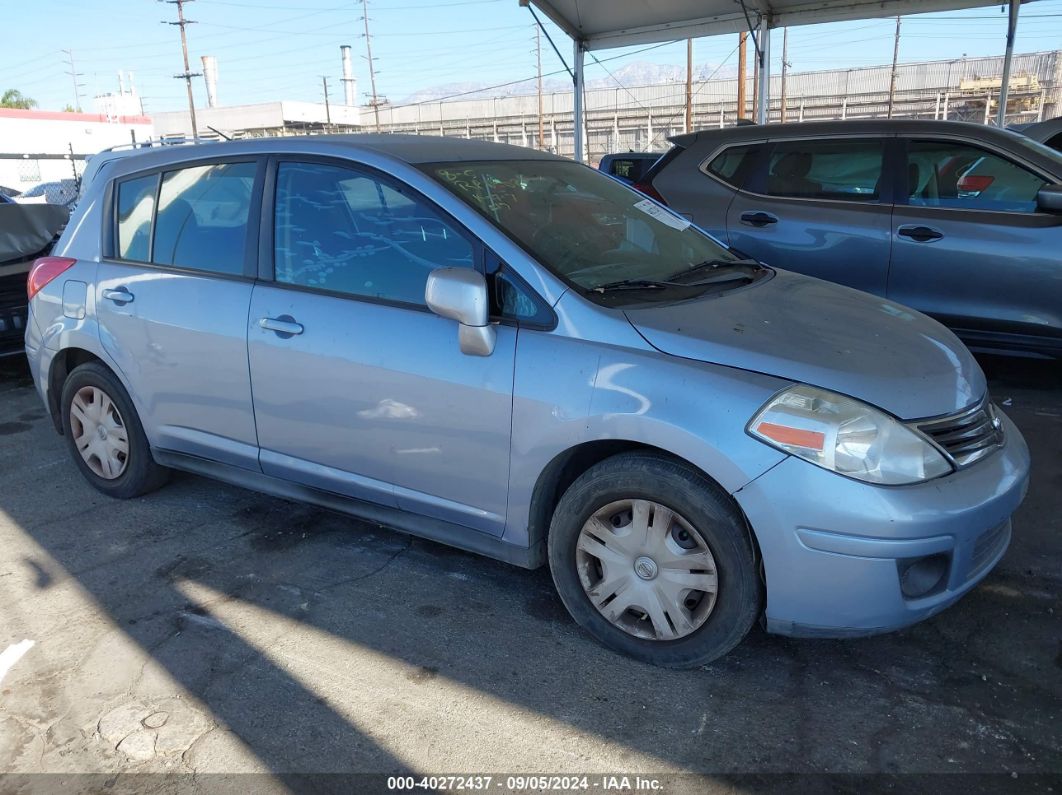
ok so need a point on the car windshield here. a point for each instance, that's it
(593, 232)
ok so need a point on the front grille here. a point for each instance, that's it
(968, 436)
(988, 545)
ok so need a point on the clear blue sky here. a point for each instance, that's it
(278, 49)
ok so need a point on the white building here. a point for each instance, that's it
(36, 145)
(254, 121)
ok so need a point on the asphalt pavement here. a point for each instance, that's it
(206, 630)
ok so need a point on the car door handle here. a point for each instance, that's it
(119, 295)
(921, 234)
(284, 326)
(758, 219)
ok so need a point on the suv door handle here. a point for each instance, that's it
(921, 234)
(758, 219)
(119, 295)
(284, 326)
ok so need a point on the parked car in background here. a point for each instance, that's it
(509, 352)
(26, 232)
(1047, 132)
(628, 167)
(960, 221)
(62, 192)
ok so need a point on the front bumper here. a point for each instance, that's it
(833, 547)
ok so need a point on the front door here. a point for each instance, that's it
(358, 388)
(971, 249)
(818, 207)
(172, 300)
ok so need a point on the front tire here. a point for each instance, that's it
(105, 436)
(654, 560)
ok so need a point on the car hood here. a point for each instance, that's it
(815, 332)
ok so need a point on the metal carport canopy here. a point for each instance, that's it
(601, 24)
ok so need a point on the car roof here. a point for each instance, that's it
(1042, 130)
(412, 149)
(811, 129)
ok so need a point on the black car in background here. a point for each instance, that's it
(628, 167)
(27, 231)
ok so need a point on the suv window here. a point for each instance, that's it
(136, 204)
(202, 217)
(727, 163)
(341, 230)
(952, 174)
(843, 170)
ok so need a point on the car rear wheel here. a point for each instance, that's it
(654, 560)
(105, 436)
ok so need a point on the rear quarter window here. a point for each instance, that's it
(731, 165)
(136, 204)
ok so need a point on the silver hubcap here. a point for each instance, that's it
(99, 432)
(647, 570)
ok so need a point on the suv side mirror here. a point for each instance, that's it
(461, 294)
(1049, 198)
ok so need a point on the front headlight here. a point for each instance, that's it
(846, 436)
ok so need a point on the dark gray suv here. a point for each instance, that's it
(960, 221)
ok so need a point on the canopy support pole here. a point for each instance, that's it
(1012, 27)
(763, 53)
(578, 80)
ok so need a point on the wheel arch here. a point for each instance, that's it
(563, 470)
(62, 365)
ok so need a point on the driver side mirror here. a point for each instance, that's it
(461, 294)
(1049, 199)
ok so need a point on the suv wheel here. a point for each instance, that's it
(105, 436)
(654, 560)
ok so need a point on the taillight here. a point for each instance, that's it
(45, 270)
(648, 189)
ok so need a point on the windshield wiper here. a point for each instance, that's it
(715, 265)
(635, 284)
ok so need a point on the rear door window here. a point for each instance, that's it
(136, 204)
(202, 217)
(836, 170)
(963, 176)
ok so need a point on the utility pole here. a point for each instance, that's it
(328, 108)
(541, 120)
(372, 69)
(187, 75)
(741, 74)
(895, 58)
(689, 85)
(785, 66)
(756, 82)
(74, 75)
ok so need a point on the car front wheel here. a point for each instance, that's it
(654, 560)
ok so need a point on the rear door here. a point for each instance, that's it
(171, 300)
(358, 388)
(820, 207)
(970, 247)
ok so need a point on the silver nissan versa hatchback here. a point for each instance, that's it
(514, 354)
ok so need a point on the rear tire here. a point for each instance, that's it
(654, 560)
(104, 434)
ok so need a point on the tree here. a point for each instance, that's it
(13, 98)
(68, 108)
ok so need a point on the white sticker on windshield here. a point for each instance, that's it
(654, 210)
